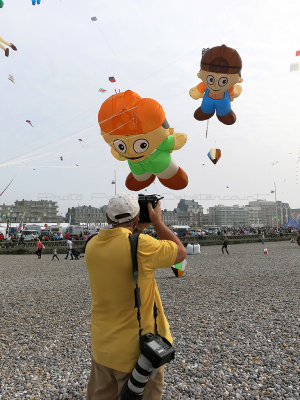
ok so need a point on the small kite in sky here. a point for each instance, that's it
(102, 90)
(29, 122)
(294, 67)
(214, 155)
(61, 158)
(34, 2)
(297, 53)
(83, 144)
(77, 165)
(275, 162)
(112, 79)
(11, 78)
(6, 49)
(227, 187)
(94, 19)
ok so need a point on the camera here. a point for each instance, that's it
(144, 199)
(155, 352)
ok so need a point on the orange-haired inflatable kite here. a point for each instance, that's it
(137, 131)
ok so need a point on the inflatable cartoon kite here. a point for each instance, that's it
(137, 131)
(220, 71)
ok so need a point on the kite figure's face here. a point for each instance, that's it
(218, 82)
(137, 148)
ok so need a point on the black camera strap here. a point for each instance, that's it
(133, 239)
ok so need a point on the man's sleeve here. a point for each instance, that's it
(155, 253)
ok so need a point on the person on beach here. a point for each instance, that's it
(54, 255)
(114, 324)
(69, 249)
(39, 249)
(225, 244)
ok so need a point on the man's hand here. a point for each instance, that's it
(154, 213)
(195, 93)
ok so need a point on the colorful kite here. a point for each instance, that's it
(214, 155)
(220, 71)
(94, 19)
(29, 122)
(34, 2)
(11, 78)
(297, 53)
(112, 79)
(138, 132)
(294, 67)
(102, 90)
(179, 269)
(1, 3)
(6, 50)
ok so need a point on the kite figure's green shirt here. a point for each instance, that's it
(157, 162)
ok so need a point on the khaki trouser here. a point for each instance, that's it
(106, 384)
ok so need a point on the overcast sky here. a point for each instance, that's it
(153, 48)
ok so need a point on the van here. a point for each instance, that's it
(29, 236)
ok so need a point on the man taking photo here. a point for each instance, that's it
(114, 324)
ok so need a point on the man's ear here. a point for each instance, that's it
(241, 80)
(198, 74)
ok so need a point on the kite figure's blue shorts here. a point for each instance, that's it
(222, 106)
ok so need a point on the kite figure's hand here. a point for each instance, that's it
(195, 93)
(179, 140)
(237, 90)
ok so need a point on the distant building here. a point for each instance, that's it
(35, 211)
(267, 213)
(86, 214)
(187, 212)
(228, 215)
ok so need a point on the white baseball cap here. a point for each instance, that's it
(123, 207)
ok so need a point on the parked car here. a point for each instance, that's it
(30, 236)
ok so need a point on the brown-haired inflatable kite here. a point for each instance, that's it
(220, 71)
(137, 131)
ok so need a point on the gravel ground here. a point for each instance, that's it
(235, 321)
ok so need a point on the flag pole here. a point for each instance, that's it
(276, 208)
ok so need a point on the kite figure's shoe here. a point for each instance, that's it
(227, 119)
(201, 116)
(177, 182)
(13, 47)
(133, 184)
(7, 52)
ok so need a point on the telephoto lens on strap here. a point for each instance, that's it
(134, 387)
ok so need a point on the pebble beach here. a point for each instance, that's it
(234, 318)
